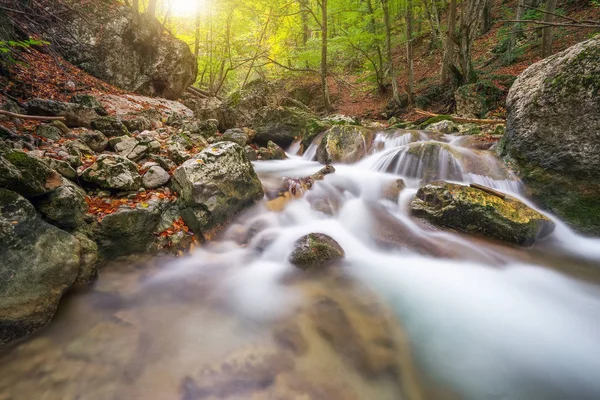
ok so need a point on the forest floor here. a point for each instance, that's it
(354, 97)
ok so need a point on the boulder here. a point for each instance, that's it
(472, 210)
(78, 149)
(215, 185)
(48, 131)
(316, 250)
(131, 148)
(64, 207)
(39, 263)
(155, 177)
(90, 101)
(128, 230)
(128, 50)
(62, 167)
(113, 172)
(284, 125)
(553, 133)
(241, 107)
(236, 135)
(110, 126)
(75, 114)
(27, 175)
(271, 152)
(345, 144)
(95, 140)
(445, 126)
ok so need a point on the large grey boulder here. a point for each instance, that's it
(113, 172)
(553, 133)
(215, 185)
(130, 51)
(284, 125)
(345, 144)
(38, 263)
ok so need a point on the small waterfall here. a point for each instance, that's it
(393, 139)
(311, 153)
(295, 148)
(427, 161)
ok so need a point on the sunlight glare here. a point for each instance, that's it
(188, 8)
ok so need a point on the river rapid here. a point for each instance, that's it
(413, 312)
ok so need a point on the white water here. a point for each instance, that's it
(484, 320)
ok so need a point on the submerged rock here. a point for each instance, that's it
(345, 144)
(316, 250)
(472, 210)
(39, 262)
(113, 172)
(553, 133)
(215, 185)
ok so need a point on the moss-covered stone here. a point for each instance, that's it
(552, 138)
(39, 262)
(345, 144)
(25, 174)
(316, 250)
(113, 172)
(472, 210)
(110, 126)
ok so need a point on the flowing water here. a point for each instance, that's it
(411, 313)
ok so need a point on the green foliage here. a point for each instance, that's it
(8, 47)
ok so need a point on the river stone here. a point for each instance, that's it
(27, 175)
(315, 250)
(129, 230)
(215, 185)
(284, 125)
(155, 177)
(236, 135)
(345, 144)
(64, 207)
(48, 131)
(110, 126)
(471, 210)
(271, 152)
(39, 262)
(553, 133)
(113, 172)
(95, 140)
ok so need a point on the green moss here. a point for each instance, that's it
(434, 120)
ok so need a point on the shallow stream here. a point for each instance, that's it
(413, 312)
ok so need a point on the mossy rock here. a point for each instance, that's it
(474, 211)
(345, 144)
(110, 126)
(552, 134)
(316, 250)
(26, 175)
(284, 125)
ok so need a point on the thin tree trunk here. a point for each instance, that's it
(547, 30)
(197, 37)
(326, 99)
(486, 18)
(448, 58)
(152, 7)
(409, 51)
(388, 43)
(136, 6)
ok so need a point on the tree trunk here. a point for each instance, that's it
(136, 6)
(388, 43)
(448, 58)
(304, 18)
(485, 24)
(326, 101)
(409, 51)
(152, 7)
(547, 30)
(197, 37)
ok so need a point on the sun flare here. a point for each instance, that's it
(188, 8)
